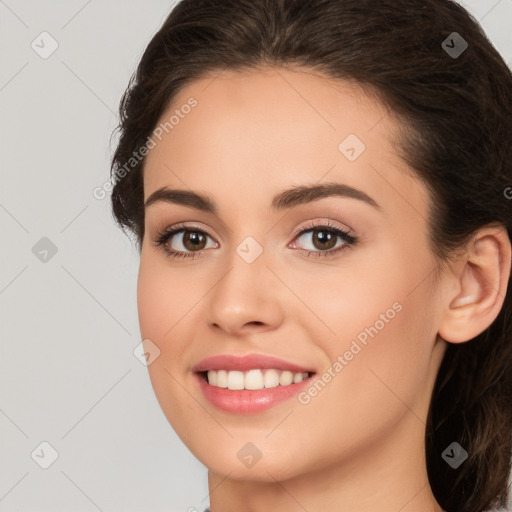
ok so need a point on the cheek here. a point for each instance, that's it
(380, 331)
(145, 300)
(160, 307)
(164, 297)
(167, 300)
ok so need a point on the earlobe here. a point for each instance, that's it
(482, 277)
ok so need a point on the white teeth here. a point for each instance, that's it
(298, 378)
(253, 379)
(222, 379)
(235, 380)
(212, 377)
(286, 378)
(271, 379)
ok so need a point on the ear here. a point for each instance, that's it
(480, 280)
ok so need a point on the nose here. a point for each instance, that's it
(247, 298)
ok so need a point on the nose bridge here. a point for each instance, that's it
(246, 269)
(245, 294)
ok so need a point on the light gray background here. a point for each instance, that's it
(68, 326)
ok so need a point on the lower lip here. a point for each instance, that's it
(246, 401)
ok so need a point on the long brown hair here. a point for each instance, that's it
(455, 109)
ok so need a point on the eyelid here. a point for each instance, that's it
(320, 222)
(182, 226)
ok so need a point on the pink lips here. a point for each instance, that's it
(245, 401)
(246, 363)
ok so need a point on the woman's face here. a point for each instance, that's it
(272, 278)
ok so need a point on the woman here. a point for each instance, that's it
(320, 193)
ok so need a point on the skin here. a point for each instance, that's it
(359, 444)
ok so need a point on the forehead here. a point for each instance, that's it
(263, 130)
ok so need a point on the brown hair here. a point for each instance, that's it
(456, 113)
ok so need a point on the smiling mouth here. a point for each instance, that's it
(255, 379)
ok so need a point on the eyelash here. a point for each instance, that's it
(163, 237)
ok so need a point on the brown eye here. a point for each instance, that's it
(182, 241)
(193, 240)
(322, 240)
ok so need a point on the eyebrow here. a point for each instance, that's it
(284, 200)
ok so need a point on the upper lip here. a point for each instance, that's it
(248, 362)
